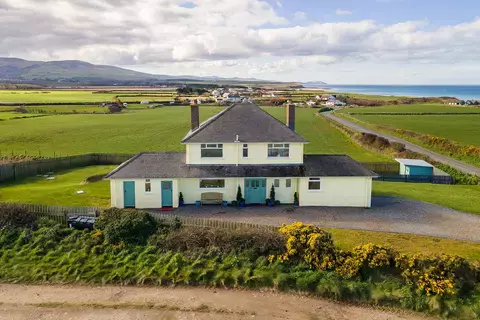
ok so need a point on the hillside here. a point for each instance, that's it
(14, 70)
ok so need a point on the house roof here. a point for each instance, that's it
(248, 121)
(172, 165)
(414, 162)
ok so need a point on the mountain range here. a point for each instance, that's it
(84, 73)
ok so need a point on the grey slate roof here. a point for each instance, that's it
(172, 165)
(248, 121)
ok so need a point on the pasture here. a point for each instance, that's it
(413, 108)
(149, 130)
(463, 129)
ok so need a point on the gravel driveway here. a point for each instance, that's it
(387, 214)
(459, 165)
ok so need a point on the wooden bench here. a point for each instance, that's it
(212, 198)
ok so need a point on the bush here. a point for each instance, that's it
(256, 241)
(381, 143)
(325, 109)
(16, 216)
(308, 244)
(367, 138)
(127, 226)
(114, 108)
(397, 146)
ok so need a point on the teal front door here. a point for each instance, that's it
(255, 191)
(129, 194)
(167, 193)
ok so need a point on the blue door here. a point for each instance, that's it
(167, 194)
(255, 191)
(129, 194)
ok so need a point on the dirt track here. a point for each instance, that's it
(100, 303)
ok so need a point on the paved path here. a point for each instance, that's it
(19, 302)
(467, 168)
(388, 214)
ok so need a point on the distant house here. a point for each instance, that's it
(326, 97)
(125, 105)
(233, 99)
(335, 103)
(145, 102)
(415, 167)
(311, 103)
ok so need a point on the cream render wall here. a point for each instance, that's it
(191, 190)
(282, 193)
(143, 200)
(337, 192)
(233, 154)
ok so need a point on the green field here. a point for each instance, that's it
(460, 128)
(148, 130)
(46, 96)
(12, 115)
(81, 108)
(458, 197)
(413, 108)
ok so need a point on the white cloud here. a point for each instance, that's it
(232, 36)
(341, 12)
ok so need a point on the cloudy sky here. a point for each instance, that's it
(337, 41)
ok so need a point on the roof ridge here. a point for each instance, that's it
(207, 122)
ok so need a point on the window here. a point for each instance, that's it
(245, 150)
(314, 184)
(276, 183)
(288, 183)
(211, 150)
(148, 185)
(278, 150)
(212, 184)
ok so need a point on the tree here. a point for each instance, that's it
(272, 194)
(239, 195)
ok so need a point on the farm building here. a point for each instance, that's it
(242, 147)
(415, 167)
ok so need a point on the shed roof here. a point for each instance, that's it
(248, 121)
(172, 165)
(414, 162)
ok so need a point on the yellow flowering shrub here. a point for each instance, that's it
(309, 244)
(443, 275)
(364, 258)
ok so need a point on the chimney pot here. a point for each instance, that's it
(291, 116)
(195, 116)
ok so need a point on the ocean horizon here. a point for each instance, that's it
(464, 92)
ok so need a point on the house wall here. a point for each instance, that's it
(143, 200)
(233, 154)
(192, 192)
(337, 192)
(282, 193)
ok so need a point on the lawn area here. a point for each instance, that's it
(458, 197)
(44, 96)
(62, 191)
(150, 130)
(413, 108)
(406, 243)
(463, 129)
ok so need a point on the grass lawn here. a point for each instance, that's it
(149, 130)
(62, 191)
(414, 108)
(460, 128)
(406, 243)
(43, 96)
(458, 197)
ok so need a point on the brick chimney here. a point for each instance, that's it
(195, 116)
(291, 116)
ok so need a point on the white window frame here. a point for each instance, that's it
(211, 146)
(276, 183)
(277, 146)
(245, 147)
(288, 183)
(211, 188)
(315, 180)
(147, 181)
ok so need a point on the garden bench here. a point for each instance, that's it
(211, 198)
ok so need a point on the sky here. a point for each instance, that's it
(335, 41)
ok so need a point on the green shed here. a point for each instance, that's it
(415, 167)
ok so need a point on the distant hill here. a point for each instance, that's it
(84, 73)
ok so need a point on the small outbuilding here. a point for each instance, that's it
(415, 167)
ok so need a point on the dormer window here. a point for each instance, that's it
(212, 150)
(278, 150)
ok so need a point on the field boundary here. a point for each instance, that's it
(19, 170)
(410, 113)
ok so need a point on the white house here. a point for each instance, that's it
(242, 146)
(311, 103)
(335, 103)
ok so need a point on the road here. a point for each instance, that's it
(459, 165)
(19, 302)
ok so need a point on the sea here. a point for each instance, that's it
(464, 92)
